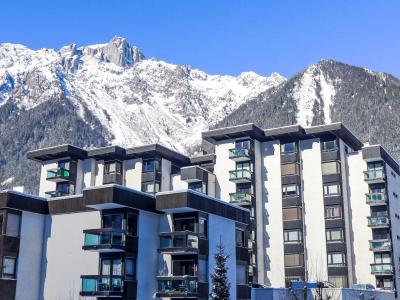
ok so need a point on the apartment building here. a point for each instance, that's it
(323, 206)
(288, 203)
(98, 230)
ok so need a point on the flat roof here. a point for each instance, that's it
(377, 152)
(148, 151)
(291, 131)
(57, 152)
(233, 132)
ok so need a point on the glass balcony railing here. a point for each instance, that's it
(58, 174)
(375, 174)
(104, 238)
(376, 198)
(240, 175)
(55, 194)
(381, 268)
(175, 241)
(239, 154)
(378, 221)
(98, 285)
(380, 245)
(177, 285)
(238, 197)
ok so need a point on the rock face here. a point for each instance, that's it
(329, 91)
(108, 93)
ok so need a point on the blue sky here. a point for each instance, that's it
(220, 37)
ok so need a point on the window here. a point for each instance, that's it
(290, 190)
(243, 166)
(243, 144)
(196, 186)
(384, 283)
(240, 238)
(241, 274)
(292, 236)
(374, 165)
(336, 259)
(203, 228)
(289, 169)
(376, 188)
(338, 281)
(184, 224)
(294, 260)
(244, 188)
(183, 267)
(64, 165)
(291, 213)
(112, 167)
(383, 258)
(288, 148)
(334, 235)
(151, 165)
(130, 268)
(289, 279)
(151, 187)
(111, 266)
(333, 212)
(131, 224)
(63, 187)
(13, 224)
(331, 189)
(8, 269)
(328, 145)
(331, 167)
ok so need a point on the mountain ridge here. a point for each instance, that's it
(112, 93)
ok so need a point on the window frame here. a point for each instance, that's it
(286, 235)
(327, 189)
(9, 275)
(298, 211)
(329, 233)
(284, 151)
(326, 163)
(284, 190)
(333, 208)
(330, 259)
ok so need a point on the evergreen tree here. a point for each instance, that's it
(220, 284)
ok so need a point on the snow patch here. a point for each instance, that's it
(8, 181)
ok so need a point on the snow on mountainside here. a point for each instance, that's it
(136, 100)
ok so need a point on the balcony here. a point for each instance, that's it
(380, 245)
(378, 222)
(58, 175)
(376, 199)
(375, 175)
(55, 194)
(382, 269)
(239, 154)
(241, 198)
(240, 176)
(102, 286)
(108, 240)
(182, 242)
(177, 286)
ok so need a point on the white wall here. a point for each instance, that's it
(393, 186)
(133, 174)
(222, 229)
(30, 256)
(88, 172)
(314, 220)
(46, 185)
(99, 172)
(359, 211)
(64, 261)
(221, 170)
(147, 260)
(269, 216)
(165, 175)
(177, 183)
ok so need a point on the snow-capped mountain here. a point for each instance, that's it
(329, 91)
(112, 94)
(136, 100)
(108, 94)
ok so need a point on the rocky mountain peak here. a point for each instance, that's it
(117, 51)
